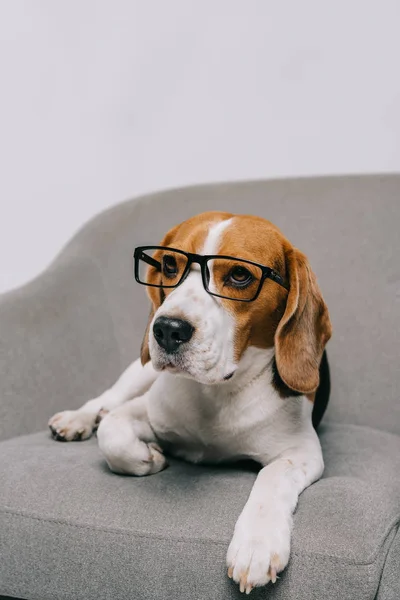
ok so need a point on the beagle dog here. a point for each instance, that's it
(232, 367)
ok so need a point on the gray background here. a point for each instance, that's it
(102, 100)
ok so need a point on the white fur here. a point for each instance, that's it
(191, 412)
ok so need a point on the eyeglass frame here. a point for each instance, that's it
(202, 260)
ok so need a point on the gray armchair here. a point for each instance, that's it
(70, 529)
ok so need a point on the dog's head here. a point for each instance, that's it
(272, 301)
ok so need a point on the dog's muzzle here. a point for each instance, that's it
(171, 333)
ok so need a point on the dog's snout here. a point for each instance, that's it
(170, 333)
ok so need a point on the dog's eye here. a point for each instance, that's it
(170, 268)
(240, 276)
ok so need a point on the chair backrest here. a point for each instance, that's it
(350, 229)
(85, 316)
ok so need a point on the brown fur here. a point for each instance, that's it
(304, 329)
(256, 239)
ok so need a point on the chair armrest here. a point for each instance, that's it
(57, 344)
(389, 585)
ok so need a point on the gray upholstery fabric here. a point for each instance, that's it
(72, 529)
(57, 346)
(389, 588)
(69, 334)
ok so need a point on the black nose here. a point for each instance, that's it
(171, 333)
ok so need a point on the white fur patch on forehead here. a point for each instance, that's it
(213, 239)
(212, 245)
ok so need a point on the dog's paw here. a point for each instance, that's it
(72, 425)
(259, 549)
(146, 460)
(124, 451)
(158, 462)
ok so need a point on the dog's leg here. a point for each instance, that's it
(71, 425)
(260, 546)
(128, 442)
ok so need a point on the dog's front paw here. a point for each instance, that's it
(260, 547)
(72, 425)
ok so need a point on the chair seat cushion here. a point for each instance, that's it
(69, 528)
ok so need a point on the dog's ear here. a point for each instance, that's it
(156, 296)
(144, 349)
(304, 328)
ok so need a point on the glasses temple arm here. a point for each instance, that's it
(278, 278)
(150, 261)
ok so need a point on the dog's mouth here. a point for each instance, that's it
(176, 365)
(180, 370)
(171, 368)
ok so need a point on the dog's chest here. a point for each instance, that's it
(210, 423)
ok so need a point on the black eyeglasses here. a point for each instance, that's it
(223, 276)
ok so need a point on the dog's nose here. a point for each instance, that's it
(171, 333)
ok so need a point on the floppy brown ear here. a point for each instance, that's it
(304, 328)
(156, 296)
(144, 349)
